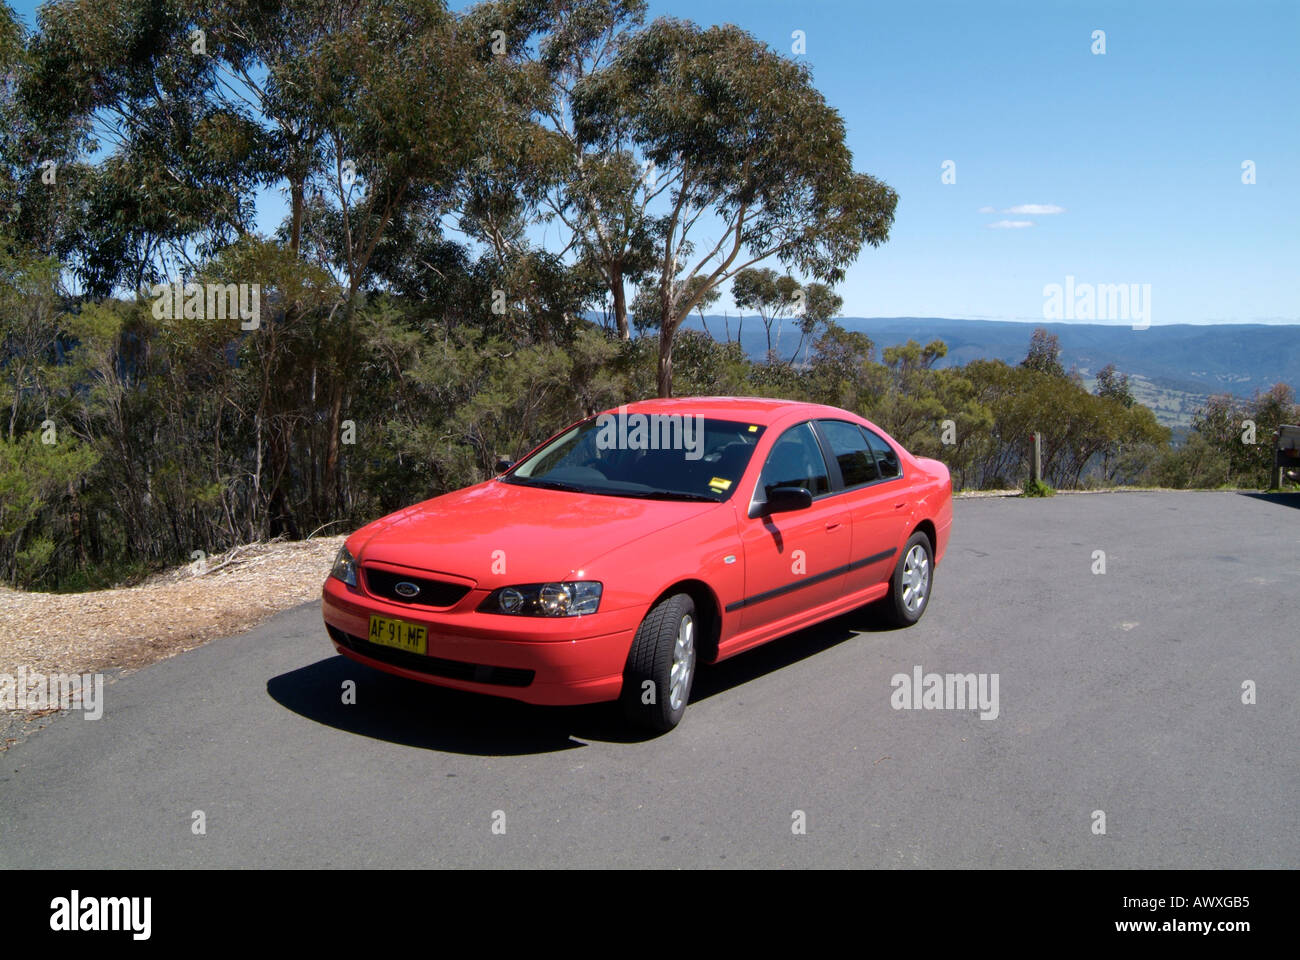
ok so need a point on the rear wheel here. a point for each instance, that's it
(661, 665)
(909, 588)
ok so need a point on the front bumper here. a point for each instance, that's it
(558, 662)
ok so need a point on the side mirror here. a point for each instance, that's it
(504, 465)
(785, 499)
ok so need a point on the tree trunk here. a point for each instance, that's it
(620, 303)
(296, 190)
(665, 376)
(330, 480)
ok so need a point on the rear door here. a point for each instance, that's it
(794, 560)
(874, 499)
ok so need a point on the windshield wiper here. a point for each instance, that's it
(637, 494)
(668, 495)
(548, 485)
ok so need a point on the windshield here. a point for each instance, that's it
(657, 456)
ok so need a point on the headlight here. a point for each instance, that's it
(345, 567)
(570, 598)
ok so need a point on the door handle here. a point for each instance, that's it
(900, 506)
(832, 524)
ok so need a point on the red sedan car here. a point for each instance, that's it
(634, 545)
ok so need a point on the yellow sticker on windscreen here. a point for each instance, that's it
(753, 428)
(720, 483)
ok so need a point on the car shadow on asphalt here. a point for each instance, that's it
(1285, 499)
(420, 715)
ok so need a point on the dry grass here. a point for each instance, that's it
(169, 613)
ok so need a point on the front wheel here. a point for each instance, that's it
(909, 588)
(661, 665)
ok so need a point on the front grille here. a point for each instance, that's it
(433, 593)
(434, 666)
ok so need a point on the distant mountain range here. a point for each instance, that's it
(1172, 368)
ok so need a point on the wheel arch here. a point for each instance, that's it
(927, 527)
(707, 609)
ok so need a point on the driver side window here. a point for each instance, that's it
(795, 461)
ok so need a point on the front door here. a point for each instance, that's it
(794, 560)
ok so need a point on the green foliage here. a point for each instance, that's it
(1037, 488)
(1044, 354)
(11, 35)
(711, 109)
(1114, 385)
(771, 296)
(449, 402)
(1197, 464)
(1231, 443)
(39, 506)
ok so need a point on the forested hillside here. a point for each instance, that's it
(1195, 360)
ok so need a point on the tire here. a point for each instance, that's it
(912, 583)
(663, 655)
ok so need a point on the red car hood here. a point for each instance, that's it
(535, 534)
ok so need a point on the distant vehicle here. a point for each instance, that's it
(636, 544)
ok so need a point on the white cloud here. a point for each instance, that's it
(987, 210)
(1036, 208)
(1011, 224)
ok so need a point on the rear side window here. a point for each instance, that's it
(885, 455)
(851, 452)
(795, 461)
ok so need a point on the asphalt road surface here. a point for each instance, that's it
(1118, 692)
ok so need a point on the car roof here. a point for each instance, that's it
(761, 410)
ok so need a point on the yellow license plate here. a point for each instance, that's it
(398, 634)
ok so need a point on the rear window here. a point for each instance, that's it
(886, 458)
(851, 451)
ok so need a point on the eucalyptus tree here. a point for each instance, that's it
(605, 192)
(11, 36)
(11, 174)
(394, 95)
(164, 174)
(772, 296)
(1044, 353)
(776, 298)
(1114, 385)
(39, 174)
(749, 154)
(368, 112)
(645, 305)
(820, 304)
(596, 190)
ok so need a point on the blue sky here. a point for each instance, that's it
(1141, 148)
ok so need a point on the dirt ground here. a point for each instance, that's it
(169, 613)
(119, 630)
